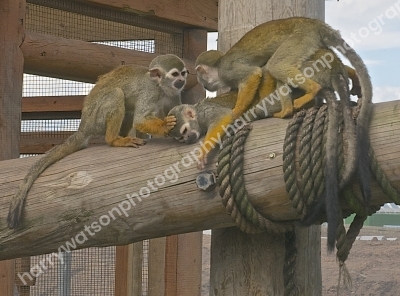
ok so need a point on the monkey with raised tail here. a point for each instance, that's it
(203, 118)
(282, 45)
(127, 97)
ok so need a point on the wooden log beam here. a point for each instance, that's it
(72, 197)
(81, 61)
(194, 13)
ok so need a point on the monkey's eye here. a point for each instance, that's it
(183, 73)
(175, 74)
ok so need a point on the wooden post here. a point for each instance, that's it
(194, 43)
(128, 270)
(156, 257)
(243, 264)
(12, 15)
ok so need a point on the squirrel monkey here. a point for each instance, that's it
(128, 96)
(203, 118)
(282, 45)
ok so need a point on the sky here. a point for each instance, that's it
(372, 28)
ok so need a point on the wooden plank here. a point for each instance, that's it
(11, 72)
(122, 275)
(156, 285)
(56, 57)
(194, 13)
(171, 262)
(51, 115)
(194, 43)
(52, 103)
(261, 256)
(189, 263)
(7, 274)
(125, 26)
(128, 270)
(137, 267)
(79, 189)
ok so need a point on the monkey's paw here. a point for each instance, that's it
(128, 142)
(135, 142)
(283, 114)
(170, 122)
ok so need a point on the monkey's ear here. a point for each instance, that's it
(156, 73)
(202, 69)
(189, 112)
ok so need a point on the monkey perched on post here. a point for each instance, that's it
(203, 118)
(127, 97)
(282, 45)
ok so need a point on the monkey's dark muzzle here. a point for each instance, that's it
(179, 84)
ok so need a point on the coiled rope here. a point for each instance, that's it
(305, 141)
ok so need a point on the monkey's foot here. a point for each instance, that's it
(128, 142)
(284, 113)
(299, 103)
(312, 88)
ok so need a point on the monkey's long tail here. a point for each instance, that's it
(331, 171)
(74, 143)
(332, 38)
(350, 165)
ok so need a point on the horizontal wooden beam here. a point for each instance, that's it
(194, 13)
(51, 115)
(52, 104)
(140, 28)
(90, 186)
(81, 61)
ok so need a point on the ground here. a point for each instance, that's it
(374, 265)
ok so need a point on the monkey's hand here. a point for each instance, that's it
(156, 126)
(169, 122)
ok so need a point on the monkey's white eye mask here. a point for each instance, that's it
(188, 135)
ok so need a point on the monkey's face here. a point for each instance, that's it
(171, 81)
(187, 129)
(177, 78)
